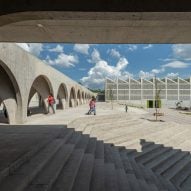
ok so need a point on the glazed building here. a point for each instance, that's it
(142, 92)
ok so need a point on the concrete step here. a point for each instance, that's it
(147, 152)
(83, 142)
(182, 175)
(151, 178)
(91, 147)
(108, 158)
(51, 170)
(83, 178)
(117, 158)
(75, 137)
(131, 153)
(35, 148)
(97, 180)
(171, 172)
(185, 186)
(68, 174)
(126, 163)
(99, 152)
(122, 180)
(138, 133)
(133, 182)
(162, 159)
(144, 185)
(26, 173)
(162, 168)
(166, 183)
(155, 154)
(110, 177)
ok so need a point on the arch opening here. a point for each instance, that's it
(72, 101)
(79, 98)
(62, 97)
(10, 97)
(37, 99)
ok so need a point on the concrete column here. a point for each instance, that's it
(178, 81)
(11, 107)
(129, 88)
(117, 88)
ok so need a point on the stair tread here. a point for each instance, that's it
(83, 177)
(110, 177)
(25, 174)
(141, 155)
(123, 183)
(154, 155)
(97, 181)
(170, 173)
(51, 170)
(181, 176)
(67, 176)
(83, 142)
(99, 152)
(172, 161)
(91, 147)
(162, 158)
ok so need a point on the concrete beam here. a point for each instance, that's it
(10, 6)
(96, 27)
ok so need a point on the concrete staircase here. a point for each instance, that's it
(83, 157)
(75, 161)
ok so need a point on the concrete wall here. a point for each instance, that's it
(24, 74)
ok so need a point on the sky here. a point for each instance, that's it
(90, 64)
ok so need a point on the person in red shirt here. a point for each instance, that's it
(92, 105)
(51, 102)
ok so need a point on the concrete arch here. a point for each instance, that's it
(79, 97)
(10, 94)
(83, 97)
(72, 99)
(62, 97)
(43, 87)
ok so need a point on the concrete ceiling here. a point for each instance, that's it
(98, 21)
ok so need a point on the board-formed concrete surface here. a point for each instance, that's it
(113, 150)
(96, 21)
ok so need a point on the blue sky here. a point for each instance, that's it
(90, 64)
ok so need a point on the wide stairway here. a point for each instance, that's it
(93, 154)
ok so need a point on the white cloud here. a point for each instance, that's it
(172, 75)
(97, 74)
(182, 51)
(121, 64)
(152, 73)
(33, 48)
(58, 49)
(132, 47)
(95, 56)
(82, 48)
(114, 53)
(143, 74)
(176, 64)
(63, 60)
(148, 46)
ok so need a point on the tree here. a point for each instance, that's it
(110, 96)
(157, 99)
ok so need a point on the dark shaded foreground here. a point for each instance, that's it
(39, 158)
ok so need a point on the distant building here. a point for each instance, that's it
(142, 92)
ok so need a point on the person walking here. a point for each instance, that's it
(51, 102)
(92, 105)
